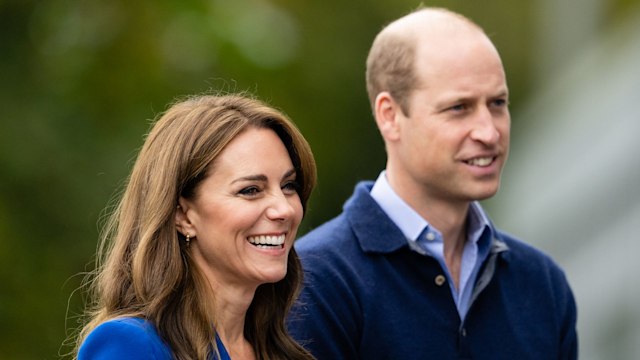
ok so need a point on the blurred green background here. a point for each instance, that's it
(80, 82)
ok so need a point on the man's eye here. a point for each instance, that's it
(458, 107)
(499, 103)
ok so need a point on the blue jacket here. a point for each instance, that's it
(368, 296)
(129, 338)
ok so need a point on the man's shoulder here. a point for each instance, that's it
(361, 227)
(329, 245)
(528, 257)
(326, 235)
(339, 230)
(519, 247)
(544, 278)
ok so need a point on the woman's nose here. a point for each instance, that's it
(280, 207)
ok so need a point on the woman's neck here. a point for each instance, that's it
(230, 308)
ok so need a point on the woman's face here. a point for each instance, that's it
(245, 213)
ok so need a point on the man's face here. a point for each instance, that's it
(454, 142)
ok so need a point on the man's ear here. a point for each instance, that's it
(183, 221)
(387, 113)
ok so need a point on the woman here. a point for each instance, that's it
(197, 262)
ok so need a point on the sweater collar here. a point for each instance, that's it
(368, 220)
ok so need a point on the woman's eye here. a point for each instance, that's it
(249, 191)
(291, 187)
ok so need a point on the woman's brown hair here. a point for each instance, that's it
(143, 266)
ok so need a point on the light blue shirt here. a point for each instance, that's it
(427, 240)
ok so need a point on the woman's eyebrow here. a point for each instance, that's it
(258, 177)
(289, 173)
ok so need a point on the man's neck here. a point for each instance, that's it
(447, 216)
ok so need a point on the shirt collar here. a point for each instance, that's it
(478, 222)
(412, 224)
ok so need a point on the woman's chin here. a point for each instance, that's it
(272, 275)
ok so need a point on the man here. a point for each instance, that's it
(413, 268)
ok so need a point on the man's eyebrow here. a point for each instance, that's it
(503, 93)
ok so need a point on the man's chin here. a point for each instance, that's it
(484, 193)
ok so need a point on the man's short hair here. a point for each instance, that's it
(390, 63)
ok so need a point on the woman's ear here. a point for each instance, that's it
(387, 111)
(183, 221)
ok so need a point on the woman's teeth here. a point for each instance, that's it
(267, 241)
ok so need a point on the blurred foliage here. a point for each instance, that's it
(82, 80)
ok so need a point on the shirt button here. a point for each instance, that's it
(430, 236)
(440, 279)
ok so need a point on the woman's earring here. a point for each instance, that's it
(188, 240)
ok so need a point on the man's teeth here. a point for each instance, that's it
(483, 161)
(267, 241)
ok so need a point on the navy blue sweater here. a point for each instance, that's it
(368, 296)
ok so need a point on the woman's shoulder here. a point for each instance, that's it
(124, 338)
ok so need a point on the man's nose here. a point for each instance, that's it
(484, 127)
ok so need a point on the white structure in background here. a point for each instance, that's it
(572, 184)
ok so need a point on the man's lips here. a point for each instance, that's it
(481, 161)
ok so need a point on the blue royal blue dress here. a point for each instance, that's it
(129, 338)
